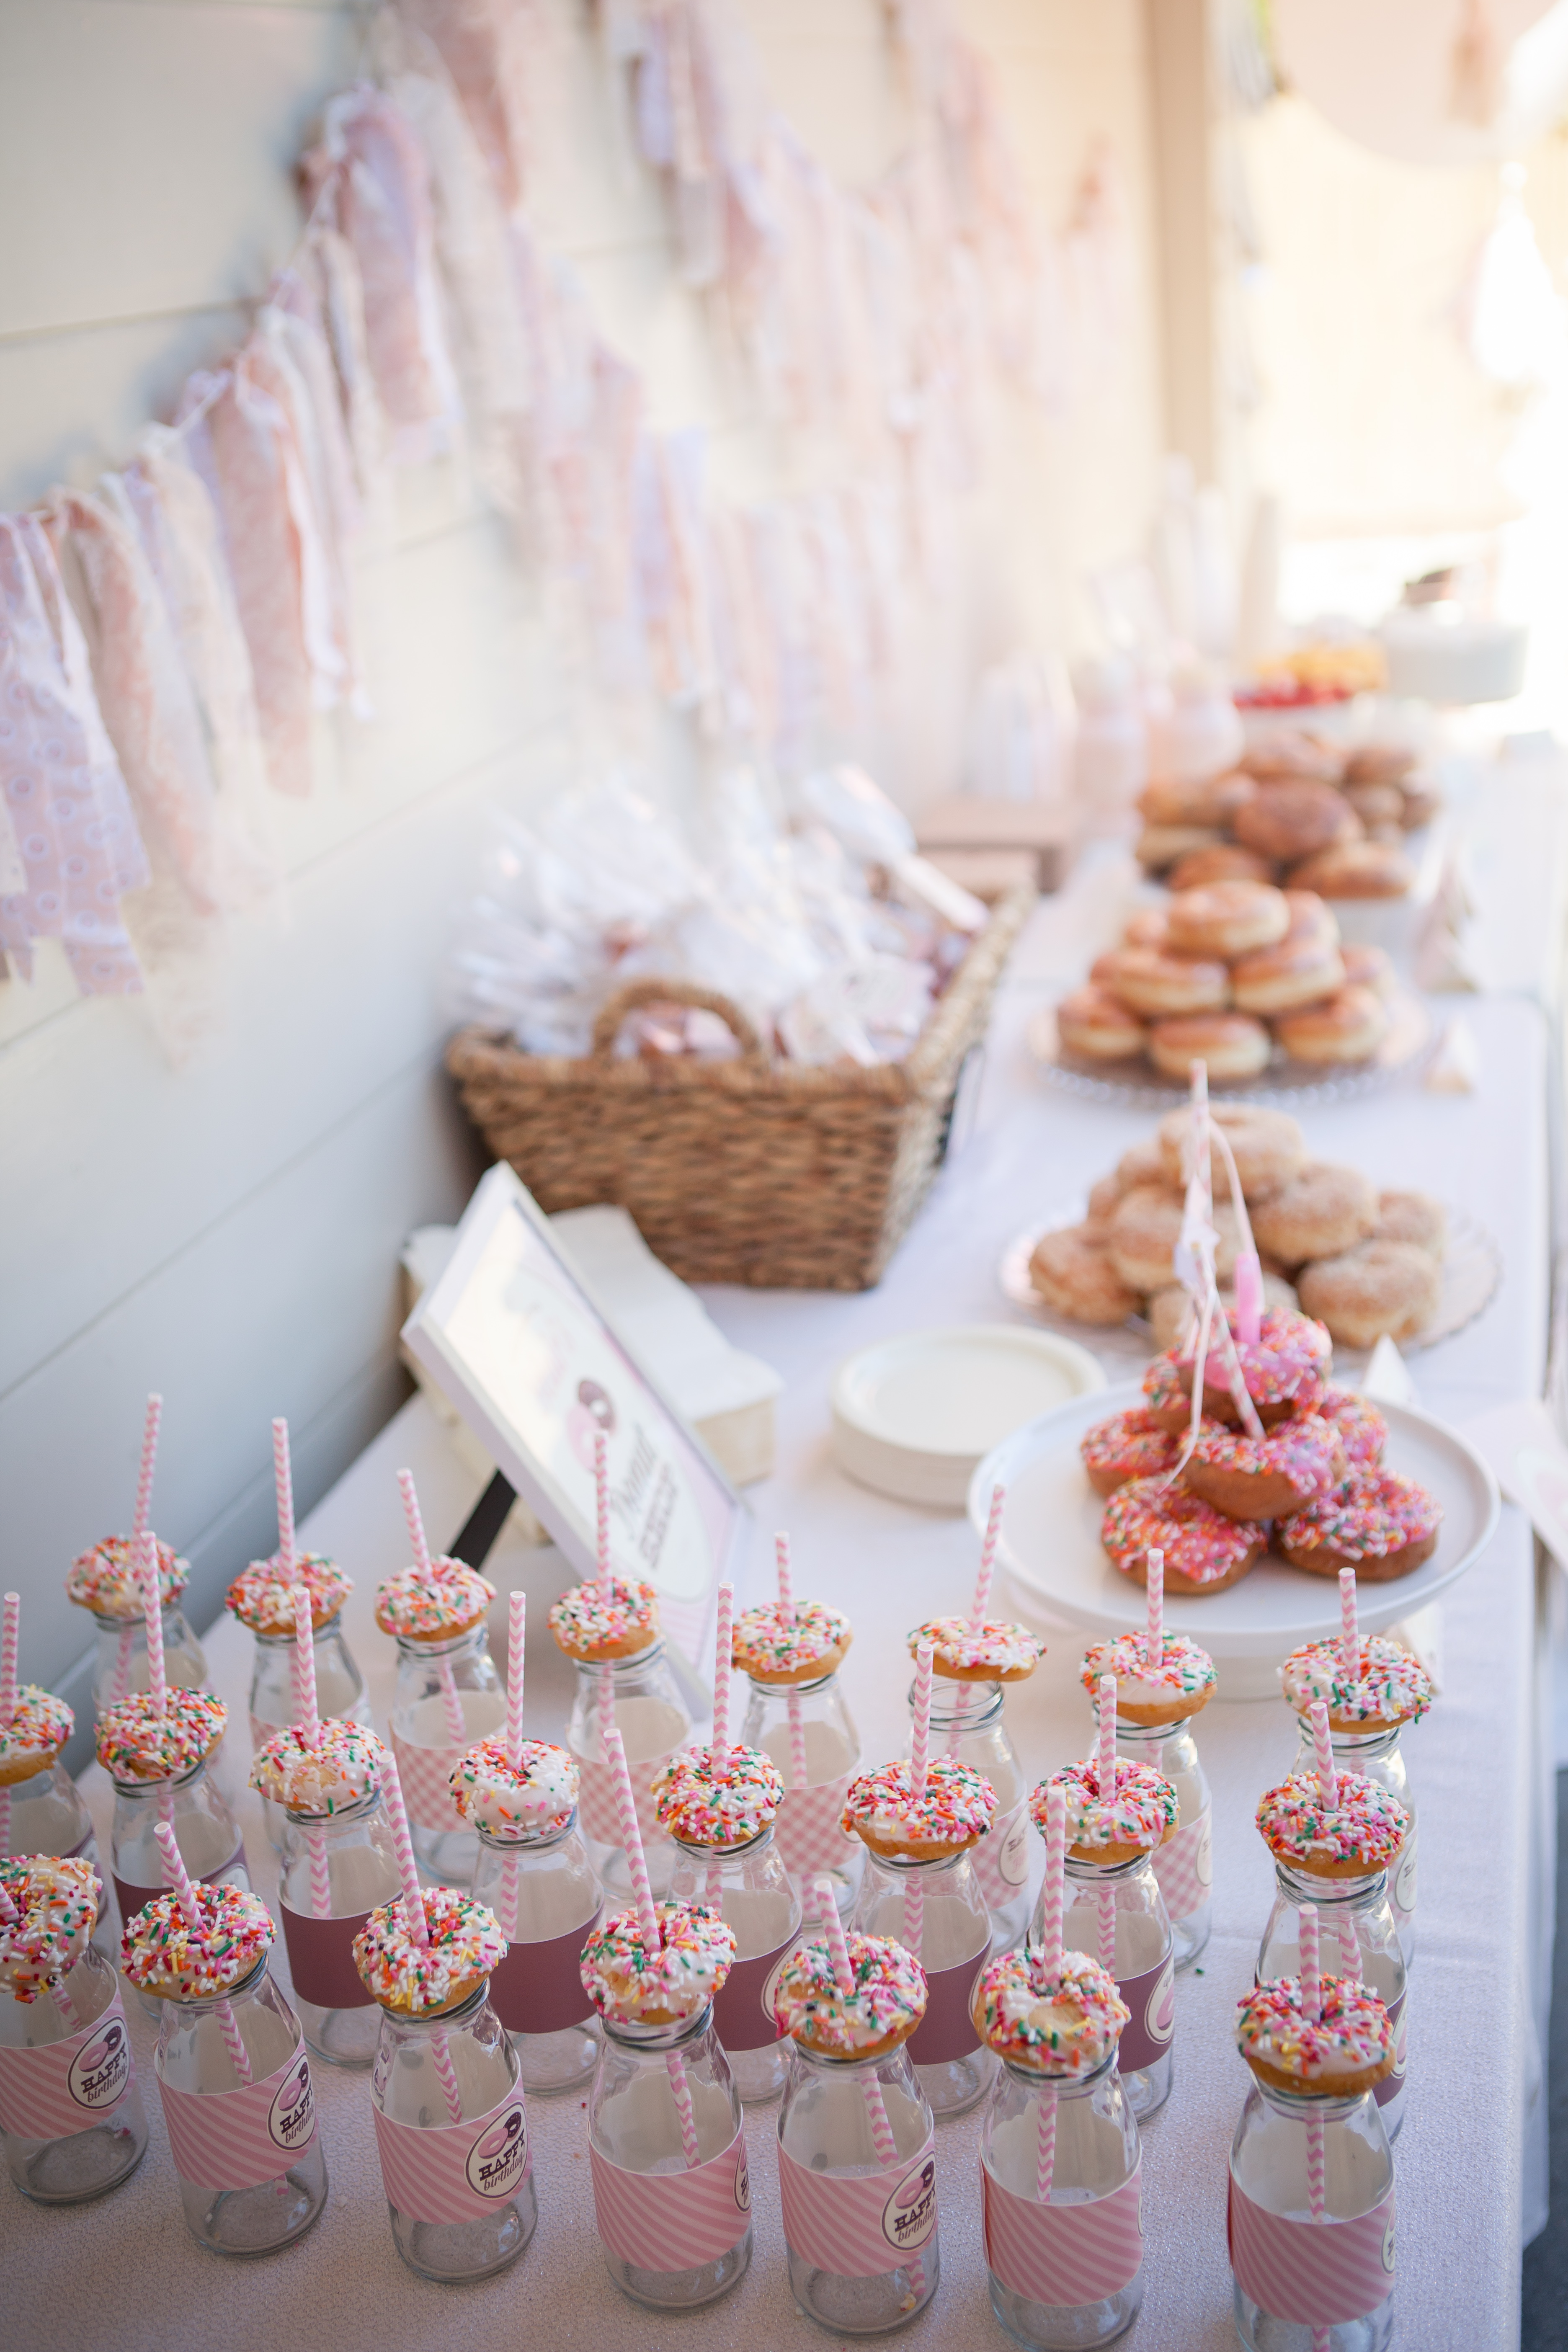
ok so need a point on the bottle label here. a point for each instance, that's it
(597, 1805)
(237, 2139)
(1185, 1868)
(1311, 2273)
(1392, 2084)
(538, 1988)
(744, 2006)
(859, 2225)
(1064, 2255)
(674, 2220)
(321, 1958)
(47, 2094)
(947, 2031)
(1002, 1859)
(426, 1775)
(1151, 1997)
(133, 1898)
(455, 2172)
(1402, 1885)
(806, 1828)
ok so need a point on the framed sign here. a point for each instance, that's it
(512, 1335)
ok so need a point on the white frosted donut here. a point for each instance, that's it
(412, 1978)
(1061, 2023)
(705, 1798)
(1139, 1815)
(628, 1983)
(513, 1801)
(39, 1725)
(56, 1899)
(886, 2006)
(1389, 1687)
(954, 1810)
(995, 1652)
(1347, 2048)
(341, 1766)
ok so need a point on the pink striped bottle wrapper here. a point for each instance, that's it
(457, 2171)
(1312, 2274)
(239, 2138)
(861, 2225)
(1063, 2255)
(673, 2221)
(67, 2085)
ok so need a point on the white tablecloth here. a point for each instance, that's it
(123, 2272)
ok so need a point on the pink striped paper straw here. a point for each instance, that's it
(1328, 1777)
(414, 1918)
(913, 1936)
(1311, 1966)
(981, 1602)
(919, 1730)
(516, 1637)
(786, 1592)
(1350, 1628)
(652, 1937)
(1106, 1902)
(185, 1894)
(4, 1820)
(415, 1524)
(1105, 1769)
(305, 1704)
(283, 1480)
(122, 1682)
(799, 1768)
(10, 1646)
(723, 1645)
(1051, 1891)
(9, 1914)
(1154, 1580)
(1046, 2144)
(1312, 2008)
(143, 1518)
(452, 1704)
(153, 1603)
(602, 1519)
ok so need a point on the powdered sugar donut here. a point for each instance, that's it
(1063, 2023)
(39, 1725)
(159, 1954)
(263, 1596)
(1264, 1478)
(706, 1798)
(1388, 1688)
(434, 1606)
(1130, 1445)
(1139, 1815)
(341, 1766)
(586, 1625)
(627, 1982)
(411, 1978)
(1343, 2051)
(510, 1800)
(1362, 1831)
(886, 2006)
(1378, 1522)
(109, 1579)
(995, 1652)
(1363, 1432)
(56, 1899)
(1204, 1551)
(136, 1739)
(954, 1810)
(1152, 1691)
(796, 1644)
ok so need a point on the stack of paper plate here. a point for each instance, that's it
(914, 1417)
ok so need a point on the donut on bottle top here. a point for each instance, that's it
(342, 1764)
(798, 1644)
(1389, 1687)
(55, 1898)
(39, 1725)
(1132, 1445)
(1363, 1432)
(436, 1606)
(1361, 1833)
(954, 1810)
(415, 1979)
(532, 1797)
(161, 1955)
(136, 1739)
(1378, 1522)
(587, 1626)
(1265, 1478)
(632, 1986)
(1345, 2050)
(1152, 1691)
(994, 1653)
(108, 1580)
(886, 2006)
(262, 1596)
(1059, 2022)
(716, 1798)
(1136, 1818)
(1204, 1551)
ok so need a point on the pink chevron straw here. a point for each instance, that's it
(414, 1918)
(799, 1769)
(1328, 1777)
(722, 1645)
(143, 1518)
(516, 1638)
(1046, 2144)
(1051, 1891)
(652, 1935)
(305, 1702)
(421, 1559)
(186, 1893)
(978, 1606)
(919, 1730)
(1312, 2009)
(1105, 1898)
(1311, 1966)
(451, 1705)
(913, 1936)
(1350, 1628)
(1105, 1764)
(9, 1914)
(10, 1645)
(602, 1519)
(153, 1604)
(786, 1591)
(283, 1480)
(1154, 1583)
(121, 1682)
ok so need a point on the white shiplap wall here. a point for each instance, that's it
(228, 1232)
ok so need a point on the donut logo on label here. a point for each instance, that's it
(100, 2072)
(743, 2183)
(1013, 1861)
(1387, 2247)
(291, 2118)
(909, 2217)
(498, 2158)
(1160, 2017)
(1400, 2039)
(771, 1989)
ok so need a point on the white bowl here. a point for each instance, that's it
(913, 1417)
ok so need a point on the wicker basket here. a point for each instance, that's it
(749, 1170)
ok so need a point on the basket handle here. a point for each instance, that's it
(608, 1027)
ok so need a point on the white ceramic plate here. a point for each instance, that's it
(1050, 1539)
(912, 1417)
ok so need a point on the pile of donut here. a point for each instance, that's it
(1362, 1262)
(1319, 816)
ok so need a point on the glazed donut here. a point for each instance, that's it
(585, 1626)
(798, 1644)
(1267, 1147)
(1355, 869)
(1378, 1286)
(161, 1955)
(56, 1899)
(1379, 763)
(1320, 1212)
(625, 1981)
(1279, 980)
(1231, 1045)
(417, 1607)
(1378, 1522)
(1226, 919)
(1098, 1026)
(1071, 1273)
(1153, 981)
(1167, 1309)
(886, 2006)
(1363, 1432)
(1138, 1816)
(1343, 2051)
(39, 1727)
(1389, 1687)
(1291, 751)
(1204, 1551)
(1212, 803)
(1291, 821)
(1349, 1026)
(1131, 1444)
(108, 1580)
(1152, 1692)
(1061, 2022)
(1367, 968)
(262, 1596)
(1142, 1237)
(1413, 1217)
(135, 1739)
(1160, 846)
(415, 1979)
(996, 1652)
(344, 1764)
(1362, 1832)
(535, 1796)
(1263, 1478)
(1283, 1370)
(1224, 863)
(706, 1799)
(954, 1810)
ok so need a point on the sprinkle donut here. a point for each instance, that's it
(1132, 1445)
(1345, 2051)
(706, 1798)
(507, 1800)
(263, 1596)
(436, 1606)
(587, 1626)
(996, 1652)
(1140, 1816)
(631, 1986)
(1204, 1551)
(1149, 1692)
(1361, 1833)
(953, 1811)
(160, 1955)
(57, 1902)
(1168, 1404)
(886, 2006)
(1061, 2023)
(1363, 1432)
(109, 1579)
(341, 1766)
(798, 1644)
(1378, 1522)
(39, 1727)
(1283, 1370)
(136, 1739)
(1266, 1477)
(415, 1979)
(1389, 1687)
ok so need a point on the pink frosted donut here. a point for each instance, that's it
(1265, 1478)
(1363, 1432)
(1359, 1832)
(1138, 1816)
(1389, 1687)
(1168, 1404)
(1284, 1369)
(1204, 1551)
(1379, 1523)
(1131, 1444)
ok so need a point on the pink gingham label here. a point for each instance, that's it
(1312, 2274)
(1185, 1868)
(674, 2220)
(1064, 2255)
(859, 2225)
(1002, 1859)
(455, 2172)
(65, 2087)
(237, 2139)
(806, 1828)
(426, 1774)
(1402, 1885)
(598, 1806)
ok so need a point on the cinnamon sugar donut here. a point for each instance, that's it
(1379, 763)
(1367, 968)
(1280, 979)
(1267, 1147)
(1098, 1027)
(1111, 1826)
(1291, 821)
(1376, 1288)
(1226, 919)
(1130, 1445)
(1359, 1832)
(1320, 1212)
(1378, 1522)
(1143, 1233)
(1355, 869)
(1072, 1273)
(1155, 982)
(1339, 2053)
(1144, 928)
(1231, 1045)
(1348, 1026)
(1204, 1551)
(1422, 802)
(1376, 805)
(1263, 1477)
(1413, 1217)
(1144, 1163)
(1104, 1195)
(1225, 862)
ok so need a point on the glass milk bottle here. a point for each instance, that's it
(935, 1909)
(451, 2127)
(336, 1868)
(1358, 1939)
(673, 2197)
(751, 1889)
(70, 2108)
(639, 1697)
(857, 2179)
(1062, 2275)
(46, 1814)
(449, 1694)
(967, 1721)
(122, 1667)
(540, 1886)
(204, 1829)
(808, 1732)
(1117, 1914)
(1305, 2284)
(1185, 1868)
(1377, 1755)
